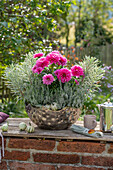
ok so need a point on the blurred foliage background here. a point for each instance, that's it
(26, 25)
(75, 27)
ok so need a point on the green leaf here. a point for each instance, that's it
(5, 24)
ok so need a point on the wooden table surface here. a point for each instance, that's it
(14, 131)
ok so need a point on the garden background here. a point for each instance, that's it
(76, 28)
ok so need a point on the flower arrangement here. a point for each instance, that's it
(51, 82)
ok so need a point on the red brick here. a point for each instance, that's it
(88, 147)
(3, 165)
(56, 158)
(98, 161)
(110, 150)
(77, 168)
(29, 166)
(17, 155)
(4, 142)
(47, 145)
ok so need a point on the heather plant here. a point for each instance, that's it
(50, 81)
(107, 81)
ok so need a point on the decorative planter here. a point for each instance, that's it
(54, 120)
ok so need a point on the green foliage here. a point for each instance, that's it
(92, 22)
(30, 87)
(25, 24)
(13, 109)
(93, 73)
(63, 22)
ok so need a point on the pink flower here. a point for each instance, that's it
(64, 75)
(77, 71)
(39, 70)
(77, 82)
(42, 62)
(56, 72)
(57, 52)
(38, 55)
(52, 57)
(62, 60)
(48, 79)
(36, 69)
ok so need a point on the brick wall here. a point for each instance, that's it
(49, 154)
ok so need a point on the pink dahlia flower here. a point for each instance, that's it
(64, 75)
(48, 79)
(77, 71)
(39, 70)
(77, 82)
(62, 60)
(36, 69)
(38, 55)
(42, 62)
(57, 52)
(53, 57)
(56, 72)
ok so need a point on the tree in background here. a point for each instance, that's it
(29, 25)
(92, 21)
(63, 21)
(26, 25)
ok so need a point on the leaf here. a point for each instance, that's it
(5, 24)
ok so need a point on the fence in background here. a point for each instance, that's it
(103, 53)
(5, 93)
